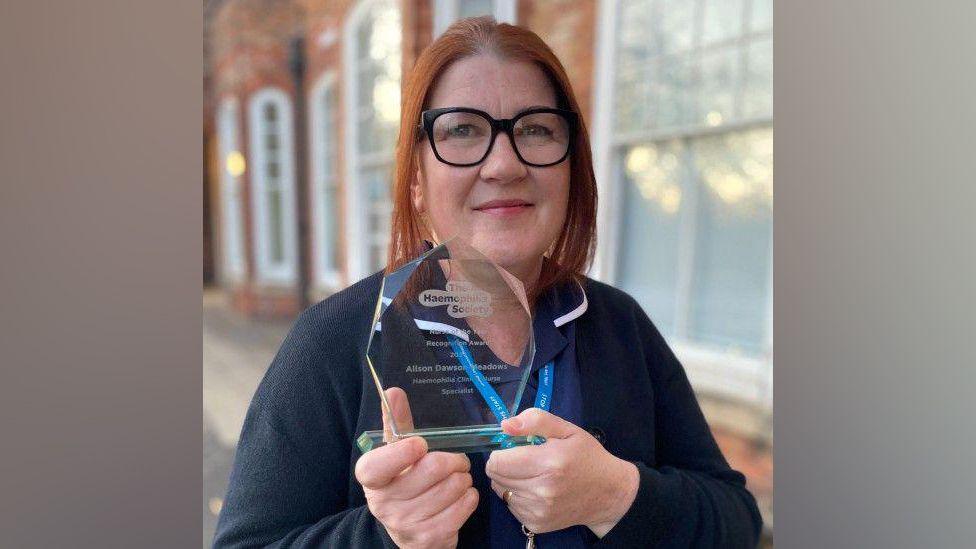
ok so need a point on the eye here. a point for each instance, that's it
(535, 130)
(462, 130)
(459, 131)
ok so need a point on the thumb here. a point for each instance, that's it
(400, 408)
(535, 421)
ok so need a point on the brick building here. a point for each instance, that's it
(677, 96)
(354, 54)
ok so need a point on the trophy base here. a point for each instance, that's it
(478, 438)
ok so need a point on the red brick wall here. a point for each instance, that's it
(569, 28)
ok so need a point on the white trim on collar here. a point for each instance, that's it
(441, 327)
(575, 313)
(432, 327)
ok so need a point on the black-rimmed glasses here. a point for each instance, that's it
(460, 136)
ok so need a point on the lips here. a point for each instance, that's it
(512, 205)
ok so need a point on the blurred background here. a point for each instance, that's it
(301, 106)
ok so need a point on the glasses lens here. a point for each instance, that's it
(461, 137)
(542, 138)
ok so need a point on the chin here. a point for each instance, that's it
(508, 253)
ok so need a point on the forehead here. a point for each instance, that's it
(497, 86)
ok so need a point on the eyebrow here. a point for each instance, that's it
(530, 107)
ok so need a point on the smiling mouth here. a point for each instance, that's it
(501, 207)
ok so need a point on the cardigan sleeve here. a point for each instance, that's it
(289, 486)
(690, 497)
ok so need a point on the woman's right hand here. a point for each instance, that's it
(421, 497)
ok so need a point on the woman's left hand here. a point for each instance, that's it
(570, 479)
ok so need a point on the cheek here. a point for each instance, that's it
(557, 195)
(445, 191)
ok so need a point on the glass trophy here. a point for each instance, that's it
(452, 337)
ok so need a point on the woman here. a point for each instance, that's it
(628, 461)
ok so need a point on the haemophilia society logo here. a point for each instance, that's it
(461, 298)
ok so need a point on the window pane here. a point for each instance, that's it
(762, 15)
(672, 93)
(332, 243)
(378, 214)
(758, 97)
(329, 133)
(276, 243)
(719, 80)
(379, 79)
(734, 232)
(648, 253)
(233, 257)
(671, 30)
(327, 179)
(474, 8)
(723, 20)
(270, 113)
(632, 96)
(634, 19)
(377, 111)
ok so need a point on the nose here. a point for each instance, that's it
(502, 164)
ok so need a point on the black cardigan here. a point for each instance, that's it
(292, 484)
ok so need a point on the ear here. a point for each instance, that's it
(417, 191)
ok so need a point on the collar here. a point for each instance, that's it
(563, 304)
(554, 309)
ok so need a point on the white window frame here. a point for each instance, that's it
(233, 261)
(327, 276)
(446, 12)
(286, 272)
(357, 245)
(744, 378)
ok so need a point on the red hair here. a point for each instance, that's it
(571, 253)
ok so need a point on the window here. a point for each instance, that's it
(449, 11)
(372, 62)
(689, 163)
(273, 203)
(325, 176)
(231, 164)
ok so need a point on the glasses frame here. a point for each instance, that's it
(506, 126)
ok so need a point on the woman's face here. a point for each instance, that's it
(512, 212)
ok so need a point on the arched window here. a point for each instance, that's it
(449, 11)
(231, 164)
(372, 77)
(325, 181)
(272, 174)
(684, 122)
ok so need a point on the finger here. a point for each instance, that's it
(521, 488)
(402, 416)
(519, 503)
(521, 485)
(520, 462)
(453, 517)
(535, 421)
(438, 497)
(426, 472)
(380, 466)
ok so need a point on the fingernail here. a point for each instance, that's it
(514, 423)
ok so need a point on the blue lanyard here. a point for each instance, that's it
(543, 397)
